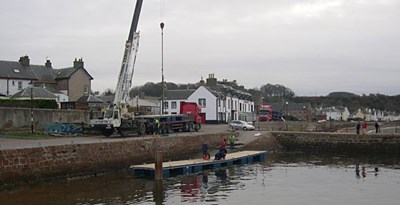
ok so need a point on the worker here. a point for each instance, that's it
(206, 154)
(223, 146)
(220, 154)
(103, 111)
(156, 126)
(232, 139)
(364, 127)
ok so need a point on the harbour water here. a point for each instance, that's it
(290, 178)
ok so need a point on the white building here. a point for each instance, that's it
(218, 102)
(336, 113)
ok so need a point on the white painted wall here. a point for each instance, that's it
(213, 110)
(12, 85)
(211, 104)
(61, 98)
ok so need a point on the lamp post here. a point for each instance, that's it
(162, 67)
(31, 109)
(287, 109)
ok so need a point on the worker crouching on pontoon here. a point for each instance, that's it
(206, 154)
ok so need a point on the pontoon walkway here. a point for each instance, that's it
(196, 165)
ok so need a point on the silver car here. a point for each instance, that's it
(240, 125)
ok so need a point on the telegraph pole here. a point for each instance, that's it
(162, 67)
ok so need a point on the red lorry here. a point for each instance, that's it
(265, 113)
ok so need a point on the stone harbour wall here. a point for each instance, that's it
(21, 117)
(71, 160)
(25, 165)
(318, 141)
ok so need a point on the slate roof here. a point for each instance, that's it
(220, 91)
(54, 91)
(64, 73)
(89, 99)
(277, 107)
(43, 73)
(37, 92)
(216, 93)
(107, 99)
(227, 90)
(13, 69)
(178, 94)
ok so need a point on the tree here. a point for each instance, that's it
(257, 95)
(272, 93)
(108, 92)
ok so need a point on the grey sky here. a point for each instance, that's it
(311, 46)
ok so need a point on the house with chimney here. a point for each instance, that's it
(67, 84)
(338, 113)
(219, 101)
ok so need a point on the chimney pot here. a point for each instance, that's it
(48, 64)
(24, 60)
(78, 63)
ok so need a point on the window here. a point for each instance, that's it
(173, 105)
(202, 102)
(165, 105)
(19, 85)
(13, 83)
(86, 89)
(70, 106)
(229, 104)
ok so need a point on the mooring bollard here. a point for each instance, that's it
(158, 166)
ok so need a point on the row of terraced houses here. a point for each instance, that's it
(220, 102)
(71, 88)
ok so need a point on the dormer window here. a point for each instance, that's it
(16, 70)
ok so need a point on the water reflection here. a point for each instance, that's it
(158, 192)
(280, 177)
(364, 172)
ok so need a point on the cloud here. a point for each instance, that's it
(309, 46)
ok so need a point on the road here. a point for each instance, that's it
(13, 143)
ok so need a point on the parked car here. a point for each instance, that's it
(240, 125)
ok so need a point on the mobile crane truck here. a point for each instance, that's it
(118, 119)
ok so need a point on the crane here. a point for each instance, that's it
(117, 118)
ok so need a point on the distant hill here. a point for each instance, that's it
(341, 94)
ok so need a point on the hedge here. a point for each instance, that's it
(36, 103)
